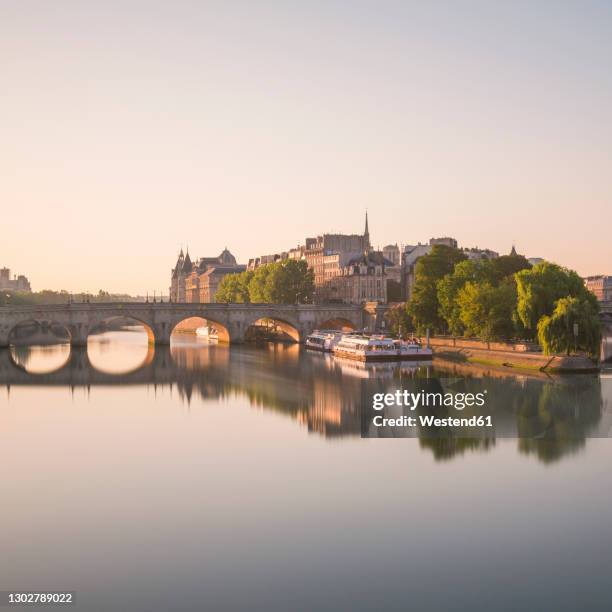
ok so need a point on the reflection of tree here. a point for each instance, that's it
(329, 396)
(561, 419)
(446, 447)
(445, 442)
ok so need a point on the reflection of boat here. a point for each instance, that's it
(207, 332)
(323, 340)
(379, 348)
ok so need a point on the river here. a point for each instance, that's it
(203, 477)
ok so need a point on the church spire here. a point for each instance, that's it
(366, 233)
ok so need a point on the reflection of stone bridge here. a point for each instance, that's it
(230, 320)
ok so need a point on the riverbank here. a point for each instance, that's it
(515, 360)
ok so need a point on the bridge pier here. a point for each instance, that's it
(78, 334)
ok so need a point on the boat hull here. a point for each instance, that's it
(372, 358)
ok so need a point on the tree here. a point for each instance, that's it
(398, 320)
(476, 271)
(486, 311)
(556, 332)
(234, 288)
(286, 282)
(424, 306)
(540, 287)
(508, 265)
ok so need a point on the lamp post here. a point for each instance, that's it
(575, 337)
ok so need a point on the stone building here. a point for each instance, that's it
(319, 247)
(476, 253)
(601, 286)
(17, 283)
(392, 253)
(354, 278)
(198, 282)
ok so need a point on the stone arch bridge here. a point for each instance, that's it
(160, 319)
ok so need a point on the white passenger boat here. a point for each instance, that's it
(367, 348)
(379, 348)
(323, 340)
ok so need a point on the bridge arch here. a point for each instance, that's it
(276, 324)
(189, 320)
(103, 323)
(338, 323)
(38, 331)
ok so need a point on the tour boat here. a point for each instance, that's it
(367, 348)
(207, 332)
(323, 340)
(379, 348)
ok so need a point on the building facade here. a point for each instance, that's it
(17, 283)
(601, 286)
(354, 278)
(198, 282)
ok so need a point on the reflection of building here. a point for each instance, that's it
(601, 286)
(199, 282)
(17, 283)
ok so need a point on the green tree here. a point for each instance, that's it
(556, 331)
(540, 287)
(474, 271)
(508, 265)
(285, 282)
(398, 321)
(486, 310)
(234, 288)
(424, 306)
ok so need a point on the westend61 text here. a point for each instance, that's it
(431, 421)
(412, 401)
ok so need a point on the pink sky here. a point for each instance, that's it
(252, 125)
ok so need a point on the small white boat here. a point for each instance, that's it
(209, 333)
(323, 340)
(413, 350)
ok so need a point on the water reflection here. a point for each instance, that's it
(550, 417)
(119, 352)
(41, 359)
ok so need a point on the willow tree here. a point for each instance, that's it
(574, 323)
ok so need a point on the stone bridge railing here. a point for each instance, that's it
(160, 319)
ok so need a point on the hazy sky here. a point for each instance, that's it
(129, 129)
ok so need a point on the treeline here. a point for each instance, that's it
(285, 282)
(22, 298)
(500, 299)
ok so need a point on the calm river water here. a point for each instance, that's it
(201, 477)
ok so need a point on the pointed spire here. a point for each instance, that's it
(513, 251)
(366, 232)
